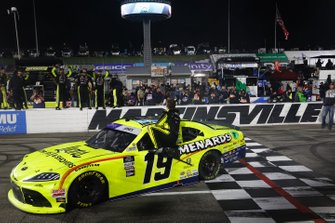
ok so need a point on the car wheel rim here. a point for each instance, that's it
(87, 192)
(209, 166)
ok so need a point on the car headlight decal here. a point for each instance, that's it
(44, 177)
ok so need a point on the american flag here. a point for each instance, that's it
(280, 21)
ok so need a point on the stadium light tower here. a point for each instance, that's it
(15, 13)
(146, 11)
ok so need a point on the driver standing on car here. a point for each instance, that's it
(165, 132)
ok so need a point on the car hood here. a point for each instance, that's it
(59, 158)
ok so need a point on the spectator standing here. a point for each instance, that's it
(288, 95)
(131, 99)
(322, 90)
(196, 97)
(140, 96)
(185, 98)
(159, 96)
(3, 90)
(83, 83)
(329, 65)
(213, 96)
(148, 97)
(328, 81)
(244, 97)
(328, 107)
(37, 99)
(300, 96)
(233, 96)
(223, 95)
(62, 93)
(318, 64)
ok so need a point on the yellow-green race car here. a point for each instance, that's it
(119, 162)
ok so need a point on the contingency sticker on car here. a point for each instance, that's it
(129, 165)
(59, 194)
(123, 128)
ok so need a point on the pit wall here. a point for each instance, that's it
(74, 120)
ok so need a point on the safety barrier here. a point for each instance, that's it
(74, 120)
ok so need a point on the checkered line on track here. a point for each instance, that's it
(246, 198)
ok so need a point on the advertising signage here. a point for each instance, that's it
(112, 67)
(146, 8)
(271, 57)
(13, 122)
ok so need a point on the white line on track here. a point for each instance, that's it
(178, 193)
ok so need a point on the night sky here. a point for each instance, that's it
(98, 22)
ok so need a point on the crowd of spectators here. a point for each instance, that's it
(197, 93)
(147, 95)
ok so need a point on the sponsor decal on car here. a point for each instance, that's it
(233, 155)
(129, 165)
(205, 144)
(74, 151)
(87, 166)
(59, 158)
(123, 128)
(59, 193)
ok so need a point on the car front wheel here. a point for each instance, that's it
(88, 189)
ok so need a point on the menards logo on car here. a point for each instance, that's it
(204, 144)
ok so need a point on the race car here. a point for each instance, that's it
(118, 162)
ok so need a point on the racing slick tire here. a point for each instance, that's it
(88, 189)
(210, 165)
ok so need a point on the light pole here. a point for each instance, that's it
(228, 14)
(35, 23)
(14, 11)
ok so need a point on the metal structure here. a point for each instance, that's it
(14, 11)
(146, 11)
(35, 24)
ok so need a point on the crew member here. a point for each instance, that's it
(84, 83)
(165, 132)
(99, 81)
(16, 88)
(3, 89)
(25, 77)
(116, 98)
(61, 82)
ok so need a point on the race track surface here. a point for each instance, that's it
(288, 176)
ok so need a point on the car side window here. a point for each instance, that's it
(145, 143)
(190, 134)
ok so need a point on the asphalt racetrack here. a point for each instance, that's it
(288, 176)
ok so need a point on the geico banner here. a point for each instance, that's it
(74, 120)
(112, 67)
(13, 122)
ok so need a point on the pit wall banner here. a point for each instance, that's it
(12, 122)
(74, 120)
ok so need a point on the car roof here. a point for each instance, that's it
(141, 122)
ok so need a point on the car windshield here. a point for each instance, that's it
(110, 139)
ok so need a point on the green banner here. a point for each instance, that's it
(271, 57)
